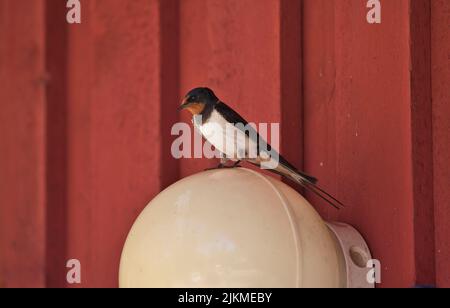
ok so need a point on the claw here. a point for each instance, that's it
(236, 164)
(223, 166)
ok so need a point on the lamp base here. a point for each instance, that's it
(355, 257)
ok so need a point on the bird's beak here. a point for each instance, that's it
(183, 105)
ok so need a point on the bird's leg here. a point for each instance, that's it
(235, 165)
(222, 164)
(223, 161)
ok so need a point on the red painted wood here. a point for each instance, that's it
(440, 12)
(169, 66)
(115, 164)
(22, 144)
(357, 124)
(56, 142)
(237, 55)
(422, 141)
(353, 100)
(291, 98)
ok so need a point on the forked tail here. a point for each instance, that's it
(309, 183)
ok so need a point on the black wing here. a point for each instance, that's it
(306, 181)
(233, 117)
(229, 114)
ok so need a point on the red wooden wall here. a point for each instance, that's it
(440, 69)
(22, 144)
(86, 112)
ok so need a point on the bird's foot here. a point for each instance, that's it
(223, 166)
(235, 165)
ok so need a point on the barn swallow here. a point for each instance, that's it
(213, 118)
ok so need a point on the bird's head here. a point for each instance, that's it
(197, 99)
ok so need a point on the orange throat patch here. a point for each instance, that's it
(196, 108)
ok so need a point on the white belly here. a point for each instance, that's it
(226, 138)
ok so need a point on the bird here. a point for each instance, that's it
(237, 141)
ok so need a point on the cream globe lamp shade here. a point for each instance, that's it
(231, 228)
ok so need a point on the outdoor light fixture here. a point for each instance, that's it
(239, 228)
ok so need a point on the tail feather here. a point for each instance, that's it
(309, 183)
(308, 178)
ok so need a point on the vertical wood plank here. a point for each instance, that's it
(319, 87)
(56, 132)
(291, 82)
(357, 124)
(440, 16)
(114, 98)
(422, 140)
(169, 11)
(22, 144)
